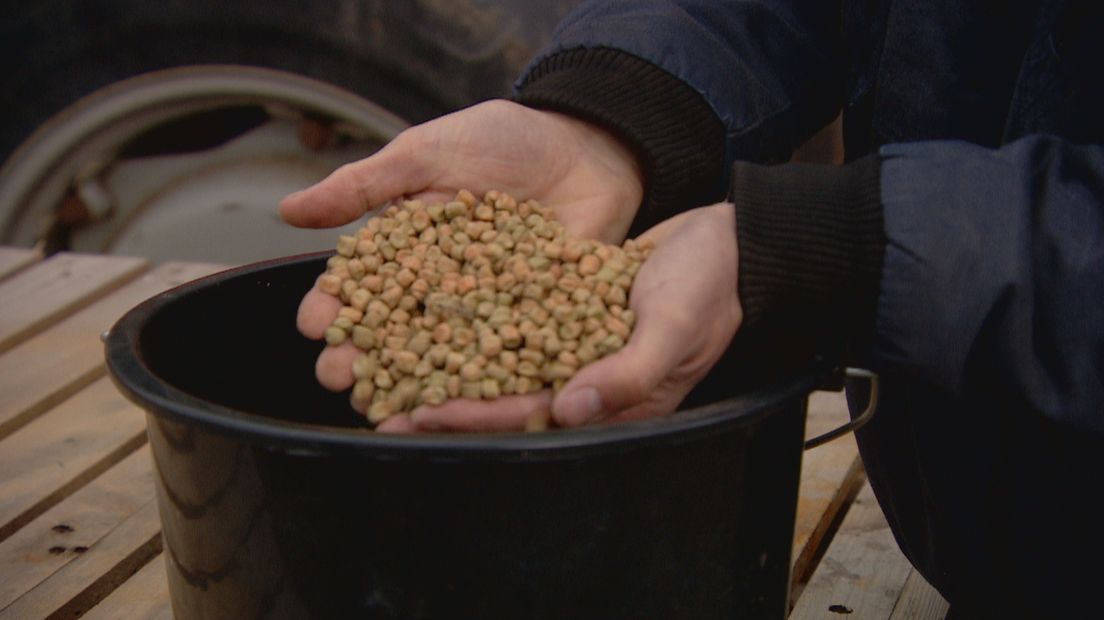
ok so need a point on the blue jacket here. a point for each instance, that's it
(986, 308)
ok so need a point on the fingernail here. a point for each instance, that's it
(579, 406)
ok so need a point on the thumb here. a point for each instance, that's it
(352, 190)
(621, 380)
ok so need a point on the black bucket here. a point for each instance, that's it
(275, 503)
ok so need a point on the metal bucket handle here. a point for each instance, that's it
(858, 422)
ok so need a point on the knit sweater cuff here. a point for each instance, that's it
(676, 136)
(811, 240)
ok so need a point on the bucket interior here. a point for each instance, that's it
(233, 342)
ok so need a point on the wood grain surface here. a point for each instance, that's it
(46, 291)
(54, 364)
(14, 259)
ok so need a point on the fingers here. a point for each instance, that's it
(355, 188)
(316, 312)
(334, 367)
(400, 423)
(508, 413)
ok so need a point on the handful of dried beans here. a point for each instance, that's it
(474, 299)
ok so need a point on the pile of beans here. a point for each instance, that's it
(474, 299)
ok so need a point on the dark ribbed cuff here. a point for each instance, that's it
(676, 136)
(811, 240)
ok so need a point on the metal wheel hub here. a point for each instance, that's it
(186, 164)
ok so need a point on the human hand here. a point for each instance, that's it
(687, 307)
(592, 178)
(594, 182)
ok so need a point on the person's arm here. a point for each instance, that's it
(992, 270)
(691, 86)
(671, 102)
(1012, 276)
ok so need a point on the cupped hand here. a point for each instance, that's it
(688, 310)
(593, 181)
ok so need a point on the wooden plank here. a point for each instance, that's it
(48, 368)
(72, 528)
(863, 572)
(39, 296)
(145, 596)
(920, 601)
(90, 578)
(831, 474)
(14, 259)
(45, 461)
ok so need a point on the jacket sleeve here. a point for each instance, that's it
(693, 85)
(993, 272)
(967, 269)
